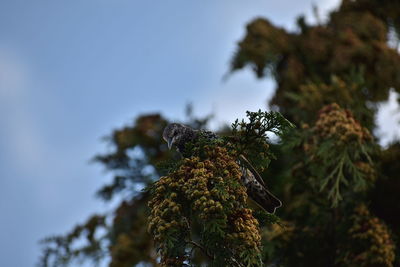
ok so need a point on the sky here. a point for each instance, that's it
(72, 71)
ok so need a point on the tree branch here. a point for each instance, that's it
(202, 249)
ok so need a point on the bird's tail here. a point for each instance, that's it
(259, 193)
(266, 200)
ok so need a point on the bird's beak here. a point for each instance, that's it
(170, 142)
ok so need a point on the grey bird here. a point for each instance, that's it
(176, 134)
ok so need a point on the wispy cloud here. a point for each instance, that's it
(13, 75)
(20, 136)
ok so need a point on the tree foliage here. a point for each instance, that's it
(338, 185)
(354, 41)
(202, 203)
(205, 193)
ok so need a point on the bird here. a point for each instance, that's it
(178, 135)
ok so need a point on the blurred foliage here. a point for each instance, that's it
(338, 186)
(61, 250)
(368, 241)
(338, 154)
(137, 150)
(354, 40)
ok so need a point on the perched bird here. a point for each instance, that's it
(176, 134)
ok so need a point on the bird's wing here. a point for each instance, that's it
(244, 161)
(257, 191)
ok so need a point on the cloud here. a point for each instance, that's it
(13, 75)
(21, 139)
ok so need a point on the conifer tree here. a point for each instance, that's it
(338, 185)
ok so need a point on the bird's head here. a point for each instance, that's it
(175, 133)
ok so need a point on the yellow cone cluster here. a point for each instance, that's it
(338, 123)
(372, 243)
(202, 190)
(245, 230)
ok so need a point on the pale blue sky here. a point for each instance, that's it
(71, 71)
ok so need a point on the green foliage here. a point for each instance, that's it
(339, 154)
(346, 92)
(251, 138)
(339, 187)
(204, 192)
(265, 218)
